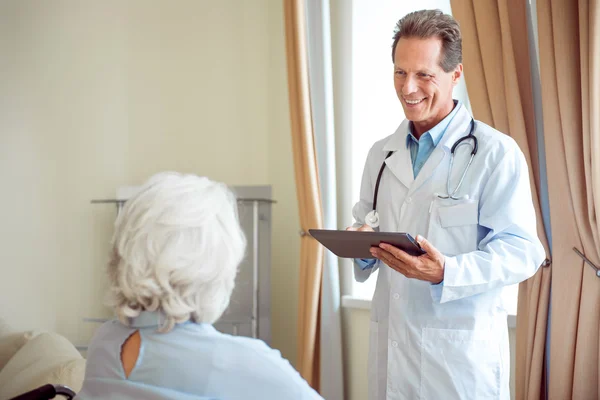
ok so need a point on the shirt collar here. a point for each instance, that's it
(148, 319)
(152, 319)
(437, 132)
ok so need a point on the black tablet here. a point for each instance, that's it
(356, 244)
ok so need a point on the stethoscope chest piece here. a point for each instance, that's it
(372, 219)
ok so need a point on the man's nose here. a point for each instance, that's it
(410, 86)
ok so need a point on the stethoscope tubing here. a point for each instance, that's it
(373, 215)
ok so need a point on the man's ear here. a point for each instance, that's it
(457, 74)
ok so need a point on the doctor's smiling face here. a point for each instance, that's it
(427, 56)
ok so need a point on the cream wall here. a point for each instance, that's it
(98, 94)
(286, 222)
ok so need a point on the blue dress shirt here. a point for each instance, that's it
(420, 150)
(191, 362)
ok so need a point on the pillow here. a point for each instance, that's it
(69, 373)
(46, 358)
(5, 328)
(9, 345)
(11, 341)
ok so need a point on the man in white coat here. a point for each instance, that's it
(438, 322)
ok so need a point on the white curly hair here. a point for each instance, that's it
(176, 249)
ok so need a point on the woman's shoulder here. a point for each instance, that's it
(252, 360)
(237, 344)
(232, 350)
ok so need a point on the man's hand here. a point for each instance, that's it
(365, 227)
(428, 267)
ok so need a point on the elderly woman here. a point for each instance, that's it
(176, 250)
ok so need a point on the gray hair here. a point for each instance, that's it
(426, 24)
(176, 249)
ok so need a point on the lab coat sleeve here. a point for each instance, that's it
(511, 251)
(360, 211)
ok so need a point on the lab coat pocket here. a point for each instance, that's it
(453, 227)
(459, 215)
(459, 364)
(372, 363)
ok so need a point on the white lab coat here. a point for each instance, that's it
(449, 341)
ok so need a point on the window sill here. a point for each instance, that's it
(358, 303)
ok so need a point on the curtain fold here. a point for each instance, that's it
(497, 71)
(321, 95)
(307, 188)
(569, 33)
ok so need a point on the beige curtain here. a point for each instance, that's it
(497, 71)
(569, 39)
(307, 187)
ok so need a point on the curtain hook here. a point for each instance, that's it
(587, 261)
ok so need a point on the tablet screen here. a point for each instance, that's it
(357, 244)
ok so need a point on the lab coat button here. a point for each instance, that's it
(396, 296)
(394, 343)
(408, 200)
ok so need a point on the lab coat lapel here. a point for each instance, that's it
(400, 163)
(457, 128)
(434, 160)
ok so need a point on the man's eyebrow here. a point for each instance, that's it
(422, 71)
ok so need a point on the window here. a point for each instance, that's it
(376, 111)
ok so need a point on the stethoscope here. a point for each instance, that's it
(372, 218)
